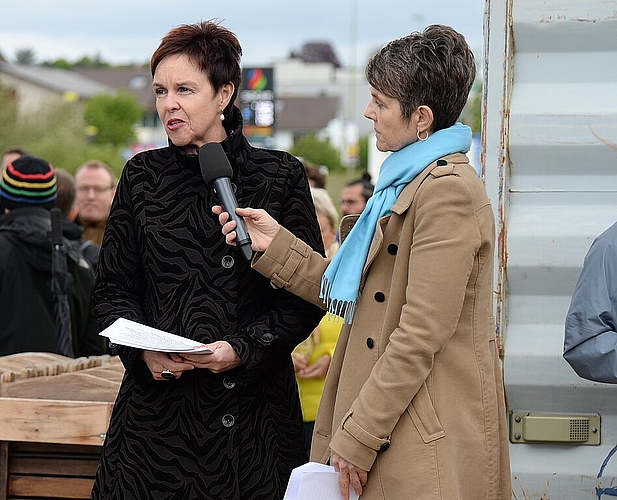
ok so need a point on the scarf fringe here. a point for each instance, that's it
(342, 308)
(341, 287)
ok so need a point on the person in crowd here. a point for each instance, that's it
(591, 321)
(312, 357)
(70, 229)
(11, 153)
(317, 175)
(28, 190)
(327, 217)
(226, 425)
(413, 405)
(355, 195)
(96, 185)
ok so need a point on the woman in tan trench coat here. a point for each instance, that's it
(413, 406)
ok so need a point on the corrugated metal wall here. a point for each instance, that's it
(550, 94)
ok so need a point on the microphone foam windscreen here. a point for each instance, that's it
(213, 162)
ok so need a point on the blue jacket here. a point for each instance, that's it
(590, 344)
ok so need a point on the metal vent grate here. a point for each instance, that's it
(528, 427)
(579, 429)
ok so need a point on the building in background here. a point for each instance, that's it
(297, 98)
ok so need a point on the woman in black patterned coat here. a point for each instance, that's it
(229, 426)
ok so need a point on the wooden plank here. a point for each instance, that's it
(46, 487)
(54, 421)
(33, 365)
(96, 384)
(43, 466)
(20, 448)
(4, 469)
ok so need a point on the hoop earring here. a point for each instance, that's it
(420, 138)
(222, 117)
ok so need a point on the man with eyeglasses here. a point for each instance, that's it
(96, 185)
(355, 195)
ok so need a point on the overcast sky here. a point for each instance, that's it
(125, 31)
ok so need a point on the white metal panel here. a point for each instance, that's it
(550, 95)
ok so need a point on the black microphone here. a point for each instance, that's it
(216, 171)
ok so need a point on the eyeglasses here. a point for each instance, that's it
(343, 202)
(96, 189)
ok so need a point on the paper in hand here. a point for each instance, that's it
(314, 481)
(132, 334)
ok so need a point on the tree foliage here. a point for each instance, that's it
(317, 151)
(318, 52)
(25, 56)
(472, 113)
(55, 132)
(112, 118)
(363, 143)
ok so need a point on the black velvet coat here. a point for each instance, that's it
(164, 262)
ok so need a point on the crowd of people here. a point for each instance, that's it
(57, 317)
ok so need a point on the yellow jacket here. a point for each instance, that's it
(311, 388)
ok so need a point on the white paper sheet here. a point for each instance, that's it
(133, 334)
(314, 481)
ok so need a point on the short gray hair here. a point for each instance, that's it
(435, 68)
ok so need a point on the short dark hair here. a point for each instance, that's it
(435, 68)
(213, 48)
(314, 173)
(367, 186)
(66, 191)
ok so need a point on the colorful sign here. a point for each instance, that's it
(257, 105)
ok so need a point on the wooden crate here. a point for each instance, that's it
(54, 412)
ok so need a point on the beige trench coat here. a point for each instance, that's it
(414, 393)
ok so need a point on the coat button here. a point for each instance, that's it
(228, 383)
(441, 163)
(227, 262)
(379, 296)
(228, 420)
(392, 249)
(384, 446)
(370, 343)
(267, 338)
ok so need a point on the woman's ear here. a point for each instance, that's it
(425, 119)
(226, 91)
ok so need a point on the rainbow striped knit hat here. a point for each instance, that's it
(28, 181)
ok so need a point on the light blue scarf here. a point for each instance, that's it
(341, 281)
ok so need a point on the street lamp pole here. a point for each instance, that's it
(351, 154)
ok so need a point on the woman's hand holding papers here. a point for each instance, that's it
(170, 365)
(222, 358)
(168, 362)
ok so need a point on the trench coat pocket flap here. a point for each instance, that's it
(366, 438)
(424, 417)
